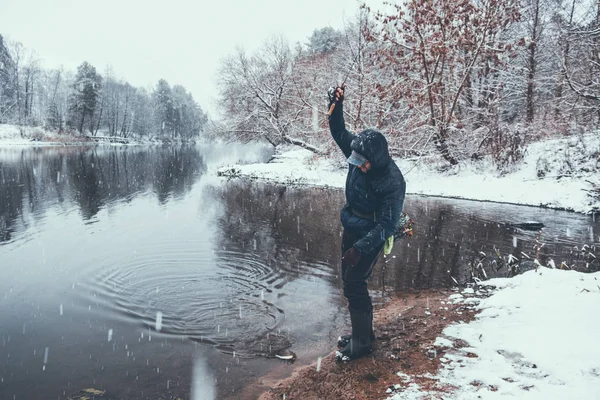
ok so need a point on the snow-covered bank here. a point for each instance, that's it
(13, 135)
(558, 173)
(536, 337)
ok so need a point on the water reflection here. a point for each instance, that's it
(97, 242)
(280, 247)
(31, 180)
(451, 234)
(297, 231)
(106, 240)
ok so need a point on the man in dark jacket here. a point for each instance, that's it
(375, 191)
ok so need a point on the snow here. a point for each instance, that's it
(567, 166)
(535, 337)
(292, 166)
(10, 135)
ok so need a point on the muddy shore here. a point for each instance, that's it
(406, 328)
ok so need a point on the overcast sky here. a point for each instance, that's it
(181, 41)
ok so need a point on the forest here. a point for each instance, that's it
(455, 80)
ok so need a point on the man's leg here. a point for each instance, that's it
(355, 278)
(359, 302)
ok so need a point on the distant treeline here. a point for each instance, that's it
(89, 102)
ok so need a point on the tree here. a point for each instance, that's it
(257, 93)
(163, 103)
(535, 69)
(54, 119)
(142, 119)
(535, 31)
(434, 48)
(83, 99)
(7, 87)
(23, 74)
(15, 76)
(189, 118)
(581, 60)
(324, 40)
(31, 72)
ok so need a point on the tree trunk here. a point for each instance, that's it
(116, 122)
(31, 99)
(439, 139)
(27, 96)
(532, 64)
(469, 92)
(82, 121)
(299, 143)
(19, 110)
(99, 118)
(123, 126)
(92, 122)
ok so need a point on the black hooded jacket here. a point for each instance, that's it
(378, 195)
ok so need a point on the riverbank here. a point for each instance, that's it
(13, 135)
(559, 174)
(479, 342)
(482, 342)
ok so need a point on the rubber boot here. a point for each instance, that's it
(360, 342)
(343, 340)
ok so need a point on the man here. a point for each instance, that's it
(375, 190)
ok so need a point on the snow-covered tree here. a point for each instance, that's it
(324, 40)
(258, 95)
(434, 49)
(163, 104)
(83, 99)
(581, 59)
(7, 87)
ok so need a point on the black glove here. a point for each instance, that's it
(351, 257)
(336, 95)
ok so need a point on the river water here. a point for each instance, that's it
(139, 271)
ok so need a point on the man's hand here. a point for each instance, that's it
(336, 95)
(351, 257)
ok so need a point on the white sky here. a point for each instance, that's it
(181, 41)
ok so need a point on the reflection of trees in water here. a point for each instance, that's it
(101, 177)
(33, 179)
(295, 232)
(293, 227)
(286, 222)
(27, 180)
(175, 171)
(278, 235)
(11, 202)
(445, 239)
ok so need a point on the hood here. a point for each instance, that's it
(373, 145)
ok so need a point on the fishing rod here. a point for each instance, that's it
(355, 58)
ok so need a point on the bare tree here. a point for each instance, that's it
(434, 48)
(257, 95)
(581, 62)
(17, 54)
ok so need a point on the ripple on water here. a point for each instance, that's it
(216, 298)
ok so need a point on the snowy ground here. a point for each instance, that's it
(569, 168)
(13, 135)
(536, 337)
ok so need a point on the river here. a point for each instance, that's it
(139, 271)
